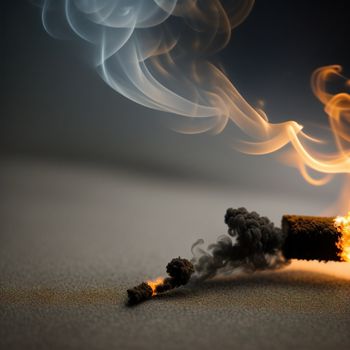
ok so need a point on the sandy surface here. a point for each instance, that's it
(74, 238)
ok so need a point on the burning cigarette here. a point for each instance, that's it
(258, 245)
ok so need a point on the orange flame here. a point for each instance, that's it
(342, 223)
(154, 283)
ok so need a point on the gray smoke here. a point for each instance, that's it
(254, 243)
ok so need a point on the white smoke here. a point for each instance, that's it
(156, 52)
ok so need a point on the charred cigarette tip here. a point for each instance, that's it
(179, 270)
(139, 293)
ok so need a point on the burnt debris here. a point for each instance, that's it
(179, 270)
(255, 234)
(310, 238)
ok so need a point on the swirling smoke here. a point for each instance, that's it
(159, 54)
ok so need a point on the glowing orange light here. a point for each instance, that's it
(154, 283)
(342, 223)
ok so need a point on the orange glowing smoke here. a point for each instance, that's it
(275, 136)
(342, 223)
(154, 284)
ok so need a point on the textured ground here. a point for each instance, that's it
(74, 238)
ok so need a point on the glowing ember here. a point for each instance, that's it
(342, 223)
(154, 284)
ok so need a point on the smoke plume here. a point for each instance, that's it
(254, 243)
(159, 54)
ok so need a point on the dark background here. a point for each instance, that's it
(54, 105)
